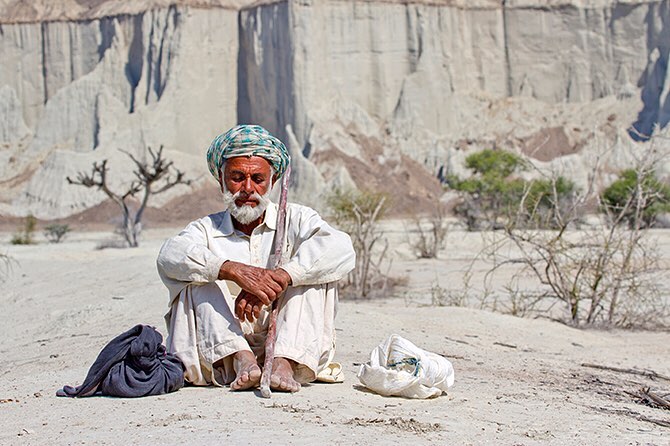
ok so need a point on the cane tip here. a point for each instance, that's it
(266, 392)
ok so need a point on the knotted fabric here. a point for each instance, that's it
(399, 368)
(132, 364)
(247, 140)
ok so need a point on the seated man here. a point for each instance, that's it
(220, 338)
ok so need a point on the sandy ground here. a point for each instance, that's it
(518, 381)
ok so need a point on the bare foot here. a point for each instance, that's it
(282, 376)
(248, 372)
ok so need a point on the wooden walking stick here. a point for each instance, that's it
(278, 246)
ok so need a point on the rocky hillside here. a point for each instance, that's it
(378, 94)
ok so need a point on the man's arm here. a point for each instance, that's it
(186, 259)
(320, 253)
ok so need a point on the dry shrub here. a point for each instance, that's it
(6, 263)
(605, 275)
(55, 233)
(358, 213)
(25, 235)
(430, 234)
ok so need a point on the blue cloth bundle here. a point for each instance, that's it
(133, 364)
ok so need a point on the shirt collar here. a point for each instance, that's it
(225, 225)
(224, 228)
(271, 216)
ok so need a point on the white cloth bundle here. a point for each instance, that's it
(399, 368)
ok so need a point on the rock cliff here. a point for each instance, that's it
(78, 91)
(356, 87)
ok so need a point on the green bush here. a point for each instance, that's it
(493, 197)
(636, 200)
(545, 200)
(495, 163)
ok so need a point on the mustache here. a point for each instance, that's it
(243, 195)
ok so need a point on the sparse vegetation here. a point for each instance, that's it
(431, 234)
(605, 275)
(25, 235)
(148, 175)
(600, 275)
(443, 297)
(493, 196)
(358, 213)
(55, 233)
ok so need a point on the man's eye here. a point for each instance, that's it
(258, 179)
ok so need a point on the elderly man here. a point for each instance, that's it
(220, 337)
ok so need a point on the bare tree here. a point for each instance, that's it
(151, 178)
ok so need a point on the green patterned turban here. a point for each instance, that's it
(247, 140)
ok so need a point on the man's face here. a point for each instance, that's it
(247, 175)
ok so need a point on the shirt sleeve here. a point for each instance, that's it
(319, 253)
(186, 258)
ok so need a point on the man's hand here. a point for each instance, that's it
(247, 306)
(264, 284)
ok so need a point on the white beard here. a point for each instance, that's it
(245, 214)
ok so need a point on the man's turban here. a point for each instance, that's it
(247, 140)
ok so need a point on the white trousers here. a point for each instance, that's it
(203, 329)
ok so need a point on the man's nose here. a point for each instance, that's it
(248, 185)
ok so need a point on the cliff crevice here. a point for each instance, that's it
(135, 64)
(45, 74)
(654, 81)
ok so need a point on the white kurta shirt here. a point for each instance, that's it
(315, 252)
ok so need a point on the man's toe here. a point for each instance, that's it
(284, 385)
(245, 380)
(237, 384)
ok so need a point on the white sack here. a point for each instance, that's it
(398, 367)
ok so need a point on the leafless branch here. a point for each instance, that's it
(146, 175)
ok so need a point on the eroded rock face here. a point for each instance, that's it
(161, 77)
(421, 62)
(354, 87)
(546, 79)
